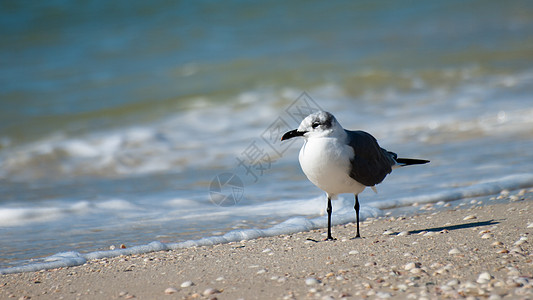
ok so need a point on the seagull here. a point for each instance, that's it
(340, 161)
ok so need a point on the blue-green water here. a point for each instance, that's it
(116, 116)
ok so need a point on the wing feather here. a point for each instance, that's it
(370, 163)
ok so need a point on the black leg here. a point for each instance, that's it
(356, 207)
(329, 210)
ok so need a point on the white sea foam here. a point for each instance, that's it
(21, 216)
(189, 139)
(343, 213)
(293, 225)
(206, 137)
(54, 211)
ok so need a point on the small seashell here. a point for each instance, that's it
(454, 251)
(402, 287)
(484, 277)
(186, 284)
(469, 217)
(519, 242)
(453, 282)
(403, 233)
(440, 271)
(388, 232)
(411, 265)
(311, 281)
(497, 243)
(470, 285)
(436, 265)
(170, 290)
(210, 291)
(486, 236)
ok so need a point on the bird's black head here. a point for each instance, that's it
(315, 124)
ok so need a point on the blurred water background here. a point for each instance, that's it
(116, 116)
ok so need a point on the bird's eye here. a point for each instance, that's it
(315, 125)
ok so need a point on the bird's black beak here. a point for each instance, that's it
(291, 134)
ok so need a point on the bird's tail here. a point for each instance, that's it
(410, 161)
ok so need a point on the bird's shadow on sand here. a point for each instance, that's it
(453, 227)
(434, 229)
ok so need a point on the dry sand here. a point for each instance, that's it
(476, 252)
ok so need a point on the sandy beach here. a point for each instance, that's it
(142, 152)
(476, 252)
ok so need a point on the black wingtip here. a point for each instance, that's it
(411, 161)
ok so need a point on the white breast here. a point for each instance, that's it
(326, 163)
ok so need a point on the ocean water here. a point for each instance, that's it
(155, 125)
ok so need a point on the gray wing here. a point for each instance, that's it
(371, 163)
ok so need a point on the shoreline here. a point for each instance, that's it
(481, 251)
(510, 188)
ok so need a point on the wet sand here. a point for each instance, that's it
(482, 252)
